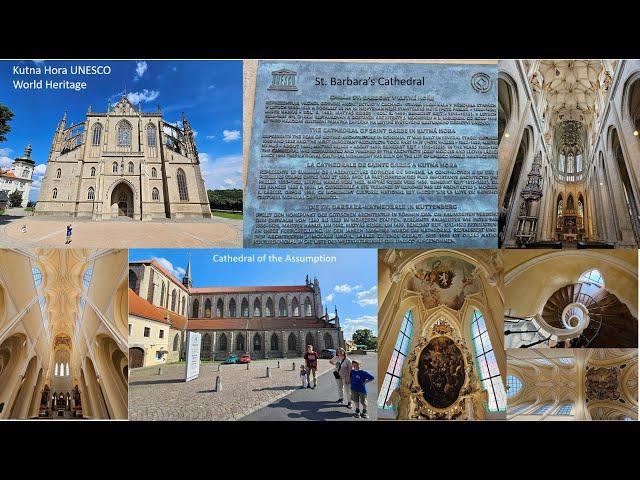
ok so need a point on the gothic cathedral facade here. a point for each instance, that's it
(124, 163)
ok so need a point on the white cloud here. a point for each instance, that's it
(5, 152)
(195, 133)
(5, 161)
(211, 87)
(345, 288)
(143, 96)
(141, 67)
(367, 297)
(40, 169)
(221, 172)
(329, 298)
(36, 185)
(175, 271)
(350, 325)
(210, 137)
(230, 135)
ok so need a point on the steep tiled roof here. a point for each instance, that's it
(274, 323)
(7, 173)
(140, 307)
(280, 288)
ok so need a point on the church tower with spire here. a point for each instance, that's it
(186, 280)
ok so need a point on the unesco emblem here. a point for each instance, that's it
(481, 82)
(283, 80)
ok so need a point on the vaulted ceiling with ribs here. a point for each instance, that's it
(62, 273)
(571, 87)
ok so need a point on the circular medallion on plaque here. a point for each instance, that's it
(481, 82)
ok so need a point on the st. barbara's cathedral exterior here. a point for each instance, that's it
(124, 163)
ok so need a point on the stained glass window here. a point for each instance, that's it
(393, 375)
(592, 276)
(542, 409)
(151, 135)
(565, 360)
(43, 303)
(514, 384)
(565, 409)
(487, 364)
(97, 134)
(37, 276)
(124, 134)
(182, 186)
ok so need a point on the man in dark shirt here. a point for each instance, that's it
(311, 362)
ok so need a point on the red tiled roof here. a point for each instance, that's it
(140, 307)
(281, 288)
(7, 174)
(156, 264)
(274, 323)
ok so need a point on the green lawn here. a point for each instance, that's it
(233, 216)
(28, 209)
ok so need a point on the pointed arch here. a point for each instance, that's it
(295, 307)
(328, 340)
(232, 308)
(134, 282)
(155, 194)
(123, 133)
(183, 305)
(55, 193)
(93, 171)
(219, 308)
(205, 352)
(282, 307)
(162, 292)
(309, 340)
(257, 308)
(173, 300)
(240, 344)
(154, 172)
(90, 193)
(130, 167)
(207, 308)
(275, 342)
(151, 135)
(176, 342)
(223, 344)
(292, 342)
(268, 311)
(195, 308)
(307, 307)
(244, 307)
(96, 136)
(114, 167)
(182, 185)
(257, 342)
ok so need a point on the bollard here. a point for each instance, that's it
(294, 366)
(218, 367)
(159, 370)
(218, 383)
(247, 366)
(268, 372)
(278, 363)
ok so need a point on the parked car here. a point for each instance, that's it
(245, 359)
(231, 359)
(328, 353)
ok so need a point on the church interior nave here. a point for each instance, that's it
(569, 153)
(63, 334)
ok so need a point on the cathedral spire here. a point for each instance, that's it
(27, 151)
(186, 280)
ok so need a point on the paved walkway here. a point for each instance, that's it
(168, 397)
(51, 232)
(320, 404)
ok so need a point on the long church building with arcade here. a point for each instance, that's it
(262, 321)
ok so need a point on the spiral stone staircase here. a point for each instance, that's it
(598, 317)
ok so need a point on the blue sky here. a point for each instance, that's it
(209, 92)
(349, 283)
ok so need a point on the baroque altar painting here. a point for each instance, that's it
(444, 280)
(441, 372)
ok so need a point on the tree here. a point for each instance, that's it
(365, 337)
(15, 199)
(5, 117)
(230, 199)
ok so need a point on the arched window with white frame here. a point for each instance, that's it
(487, 364)
(393, 375)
